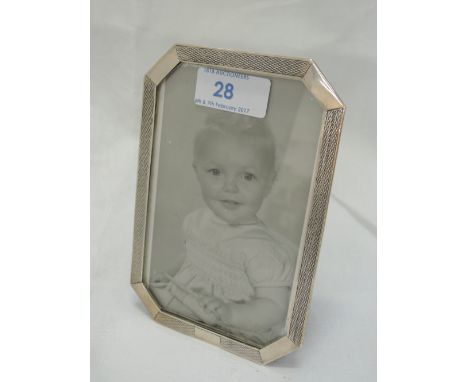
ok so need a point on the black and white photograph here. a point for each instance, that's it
(228, 198)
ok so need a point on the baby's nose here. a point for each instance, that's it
(230, 184)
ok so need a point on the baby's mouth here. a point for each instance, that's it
(230, 204)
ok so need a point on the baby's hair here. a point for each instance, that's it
(239, 126)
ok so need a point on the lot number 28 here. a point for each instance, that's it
(228, 90)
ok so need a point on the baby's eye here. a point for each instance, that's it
(249, 176)
(214, 171)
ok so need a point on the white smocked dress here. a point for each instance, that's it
(229, 262)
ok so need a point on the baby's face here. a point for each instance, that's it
(235, 175)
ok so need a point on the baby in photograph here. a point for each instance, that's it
(237, 273)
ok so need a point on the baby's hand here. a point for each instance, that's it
(219, 308)
(195, 303)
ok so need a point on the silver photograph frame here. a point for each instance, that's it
(297, 69)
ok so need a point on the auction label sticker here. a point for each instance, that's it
(235, 92)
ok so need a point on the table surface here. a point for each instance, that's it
(126, 40)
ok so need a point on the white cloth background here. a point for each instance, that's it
(127, 37)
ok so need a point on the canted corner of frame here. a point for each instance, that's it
(277, 349)
(316, 83)
(164, 65)
(147, 299)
